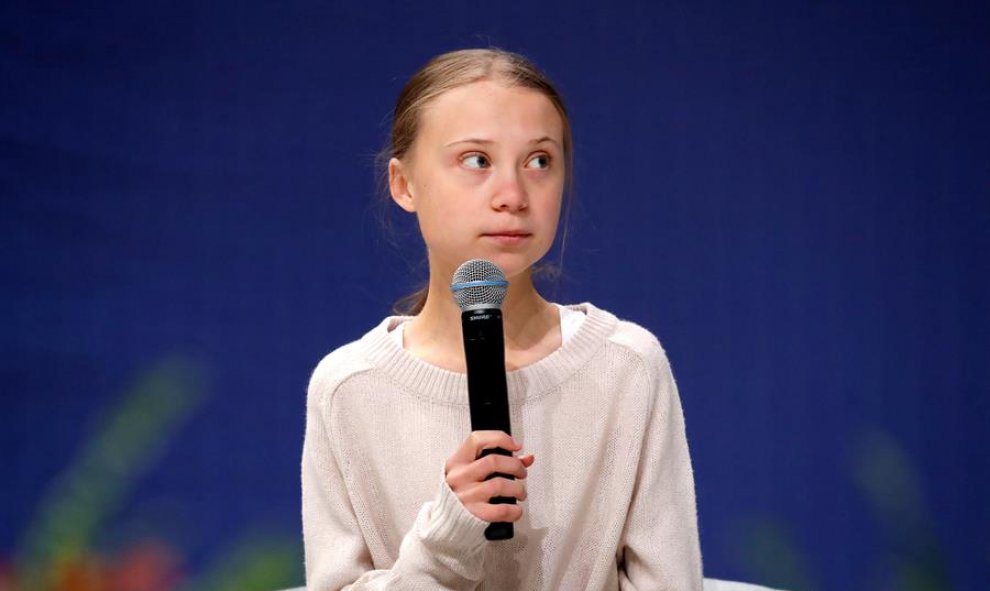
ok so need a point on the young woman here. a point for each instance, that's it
(395, 494)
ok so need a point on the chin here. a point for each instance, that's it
(512, 264)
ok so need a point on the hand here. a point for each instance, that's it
(466, 476)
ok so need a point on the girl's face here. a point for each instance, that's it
(485, 176)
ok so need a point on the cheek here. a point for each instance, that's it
(549, 215)
(440, 217)
(550, 206)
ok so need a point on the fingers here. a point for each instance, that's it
(477, 480)
(495, 513)
(482, 468)
(477, 499)
(479, 440)
(483, 492)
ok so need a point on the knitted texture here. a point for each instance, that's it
(610, 502)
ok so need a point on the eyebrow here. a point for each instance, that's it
(485, 142)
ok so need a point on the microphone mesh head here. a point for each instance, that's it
(479, 284)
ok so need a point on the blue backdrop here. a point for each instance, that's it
(792, 196)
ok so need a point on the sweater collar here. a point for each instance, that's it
(437, 384)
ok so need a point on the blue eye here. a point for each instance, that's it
(475, 161)
(540, 161)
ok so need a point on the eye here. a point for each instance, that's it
(475, 160)
(540, 161)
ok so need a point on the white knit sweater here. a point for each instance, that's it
(610, 498)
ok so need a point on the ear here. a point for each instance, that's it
(398, 185)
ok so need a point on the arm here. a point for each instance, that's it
(442, 550)
(659, 547)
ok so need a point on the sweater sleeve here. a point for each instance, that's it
(442, 550)
(660, 548)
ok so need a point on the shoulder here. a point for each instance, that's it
(634, 342)
(342, 365)
(634, 353)
(638, 340)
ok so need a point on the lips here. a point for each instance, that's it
(508, 238)
(508, 233)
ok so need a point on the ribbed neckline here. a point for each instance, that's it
(440, 385)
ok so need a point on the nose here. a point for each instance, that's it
(510, 192)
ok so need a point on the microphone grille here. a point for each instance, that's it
(479, 284)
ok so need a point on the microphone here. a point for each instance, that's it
(479, 288)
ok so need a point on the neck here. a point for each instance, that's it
(531, 326)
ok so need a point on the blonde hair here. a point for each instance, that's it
(452, 70)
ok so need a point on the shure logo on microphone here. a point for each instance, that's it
(480, 317)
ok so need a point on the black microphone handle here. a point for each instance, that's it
(488, 396)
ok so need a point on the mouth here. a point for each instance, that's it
(508, 234)
(507, 237)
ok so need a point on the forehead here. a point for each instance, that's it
(491, 109)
